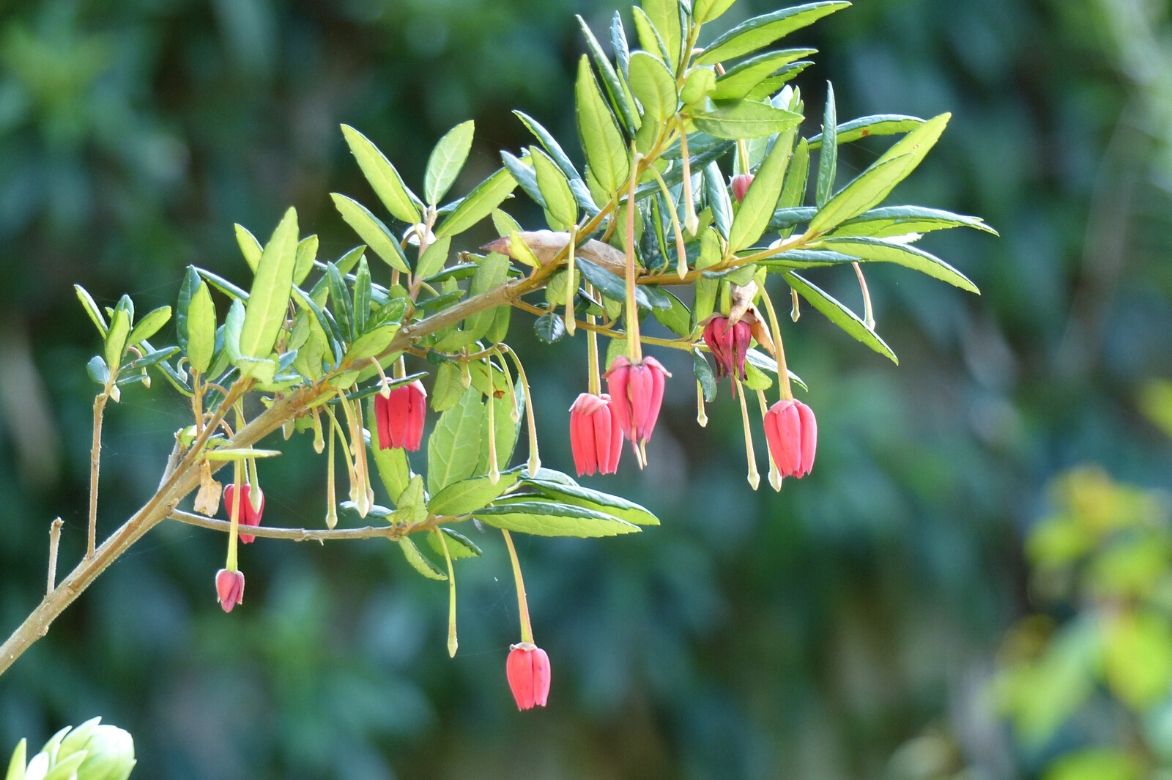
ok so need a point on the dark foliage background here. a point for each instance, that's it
(847, 627)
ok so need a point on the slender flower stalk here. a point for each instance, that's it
(571, 287)
(753, 475)
(631, 312)
(774, 474)
(677, 230)
(534, 463)
(868, 312)
(519, 580)
(784, 388)
(701, 412)
(453, 641)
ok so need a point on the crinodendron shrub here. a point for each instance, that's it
(699, 198)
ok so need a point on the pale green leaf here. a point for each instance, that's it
(268, 298)
(653, 85)
(249, 246)
(419, 562)
(478, 204)
(606, 503)
(454, 446)
(92, 309)
(840, 315)
(745, 119)
(371, 230)
(544, 518)
(151, 323)
(867, 126)
(383, 177)
(468, 495)
(434, 257)
(306, 254)
(446, 160)
(740, 80)
(116, 338)
(555, 190)
(828, 157)
(761, 31)
(706, 10)
(665, 16)
(878, 250)
(902, 220)
(201, 329)
(761, 200)
(606, 152)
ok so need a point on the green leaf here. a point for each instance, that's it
(702, 370)
(493, 271)
(233, 325)
(828, 159)
(613, 287)
(555, 151)
(306, 254)
(363, 292)
(371, 343)
(271, 286)
(619, 97)
(547, 518)
(649, 37)
(477, 204)
(97, 370)
(507, 431)
(606, 152)
(740, 80)
(549, 328)
(410, 501)
(223, 285)
(665, 16)
(878, 250)
(454, 446)
(806, 258)
(676, 317)
(239, 453)
(576, 495)
(1097, 763)
(200, 331)
(458, 545)
(901, 220)
(191, 281)
(372, 231)
(716, 194)
(468, 495)
(92, 309)
(866, 126)
(760, 31)
(796, 176)
(16, 766)
(249, 246)
(446, 160)
(766, 363)
(746, 119)
(555, 190)
(653, 85)
(874, 184)
(116, 338)
(391, 464)
(705, 11)
(433, 258)
(149, 325)
(383, 177)
(340, 304)
(761, 200)
(839, 315)
(419, 562)
(698, 85)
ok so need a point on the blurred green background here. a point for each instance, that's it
(850, 627)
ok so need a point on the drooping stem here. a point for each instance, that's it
(753, 476)
(774, 473)
(701, 412)
(571, 287)
(534, 456)
(594, 379)
(494, 472)
(234, 515)
(331, 495)
(95, 469)
(681, 248)
(783, 383)
(868, 313)
(453, 642)
(691, 221)
(634, 348)
(522, 601)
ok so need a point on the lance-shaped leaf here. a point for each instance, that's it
(151, 323)
(191, 281)
(419, 561)
(867, 126)
(619, 96)
(702, 370)
(555, 190)
(649, 37)
(761, 200)
(458, 546)
(840, 315)
(901, 220)
(271, 286)
(740, 80)
(306, 255)
(874, 184)
(91, 309)
(371, 230)
(760, 31)
(665, 16)
(606, 152)
(250, 248)
(653, 85)
(434, 257)
(446, 160)
(878, 250)
(200, 329)
(606, 503)
(745, 119)
(383, 177)
(468, 495)
(705, 11)
(828, 157)
(558, 155)
(454, 446)
(477, 204)
(550, 518)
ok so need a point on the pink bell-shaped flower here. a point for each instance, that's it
(729, 344)
(527, 670)
(229, 588)
(399, 416)
(249, 516)
(792, 434)
(636, 394)
(595, 437)
(740, 185)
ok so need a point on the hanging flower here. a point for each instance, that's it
(792, 434)
(527, 670)
(595, 437)
(729, 344)
(399, 416)
(250, 514)
(229, 588)
(636, 392)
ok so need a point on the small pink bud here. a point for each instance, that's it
(740, 185)
(527, 670)
(229, 588)
(792, 434)
(248, 515)
(636, 393)
(595, 437)
(399, 417)
(729, 343)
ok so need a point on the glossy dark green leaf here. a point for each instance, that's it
(676, 317)
(613, 287)
(371, 230)
(761, 31)
(550, 518)
(806, 258)
(618, 43)
(477, 204)
(446, 160)
(702, 370)
(97, 370)
(606, 151)
(840, 315)
(576, 495)
(745, 119)
(558, 155)
(383, 177)
(549, 328)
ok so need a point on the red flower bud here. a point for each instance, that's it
(729, 344)
(229, 588)
(527, 670)
(595, 437)
(792, 434)
(399, 417)
(248, 515)
(636, 393)
(740, 185)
